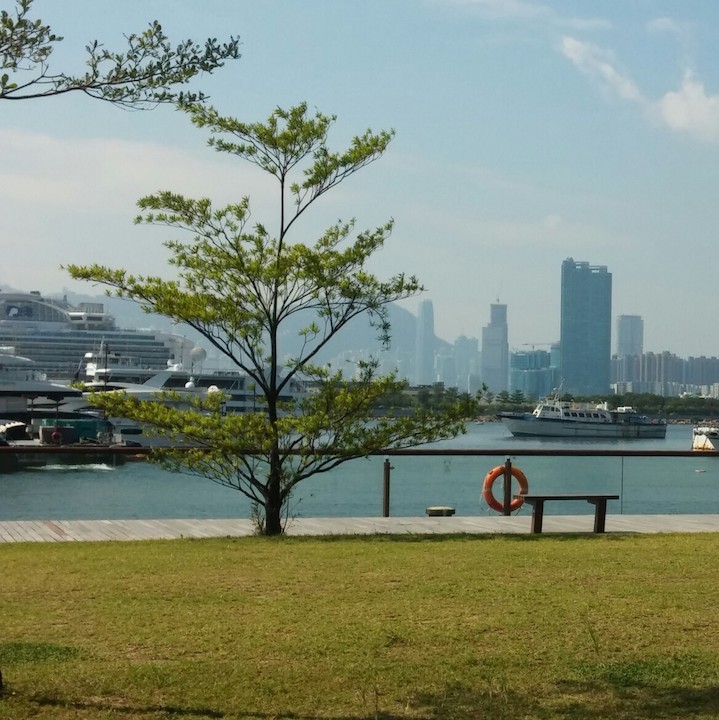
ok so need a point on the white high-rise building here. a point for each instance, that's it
(424, 373)
(630, 335)
(495, 350)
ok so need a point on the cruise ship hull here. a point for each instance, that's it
(527, 425)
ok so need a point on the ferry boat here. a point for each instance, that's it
(553, 417)
(705, 437)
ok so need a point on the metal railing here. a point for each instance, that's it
(119, 454)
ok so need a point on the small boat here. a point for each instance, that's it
(705, 437)
(70, 442)
(553, 417)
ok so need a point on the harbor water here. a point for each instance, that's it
(137, 490)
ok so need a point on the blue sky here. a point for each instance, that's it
(526, 132)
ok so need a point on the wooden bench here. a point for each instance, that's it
(440, 511)
(599, 502)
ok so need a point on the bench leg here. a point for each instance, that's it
(537, 515)
(600, 514)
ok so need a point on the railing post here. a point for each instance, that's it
(385, 488)
(507, 488)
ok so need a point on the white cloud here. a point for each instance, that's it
(586, 24)
(508, 8)
(600, 64)
(664, 25)
(106, 174)
(691, 110)
(530, 10)
(73, 200)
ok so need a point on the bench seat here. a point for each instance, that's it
(598, 500)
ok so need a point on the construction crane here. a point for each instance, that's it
(539, 344)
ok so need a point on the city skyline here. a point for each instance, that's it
(527, 131)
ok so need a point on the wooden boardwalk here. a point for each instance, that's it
(14, 531)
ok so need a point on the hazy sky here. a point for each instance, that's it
(527, 132)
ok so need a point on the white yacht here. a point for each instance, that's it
(238, 390)
(705, 437)
(23, 385)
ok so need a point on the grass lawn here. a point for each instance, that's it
(543, 627)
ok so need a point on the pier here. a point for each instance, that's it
(15, 531)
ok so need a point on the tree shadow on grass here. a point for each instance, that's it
(573, 701)
(464, 537)
(95, 706)
(628, 703)
(661, 687)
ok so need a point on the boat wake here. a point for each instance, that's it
(85, 467)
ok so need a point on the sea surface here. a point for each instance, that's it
(136, 490)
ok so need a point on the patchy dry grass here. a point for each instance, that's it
(571, 627)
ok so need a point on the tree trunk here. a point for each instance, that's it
(273, 520)
(273, 501)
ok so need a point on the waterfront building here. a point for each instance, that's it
(495, 350)
(424, 373)
(532, 374)
(665, 374)
(585, 328)
(56, 335)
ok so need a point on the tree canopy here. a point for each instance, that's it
(239, 282)
(147, 73)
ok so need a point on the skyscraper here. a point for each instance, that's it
(494, 369)
(424, 346)
(630, 335)
(466, 358)
(586, 328)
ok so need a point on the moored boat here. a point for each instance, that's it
(177, 387)
(705, 437)
(68, 442)
(553, 417)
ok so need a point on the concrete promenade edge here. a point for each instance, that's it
(14, 531)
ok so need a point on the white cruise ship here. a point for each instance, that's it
(56, 335)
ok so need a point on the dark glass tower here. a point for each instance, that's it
(586, 328)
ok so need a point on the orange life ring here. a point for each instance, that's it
(56, 437)
(489, 498)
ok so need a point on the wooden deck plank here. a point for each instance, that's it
(34, 530)
(14, 531)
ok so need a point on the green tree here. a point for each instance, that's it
(239, 285)
(468, 404)
(423, 399)
(503, 397)
(142, 76)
